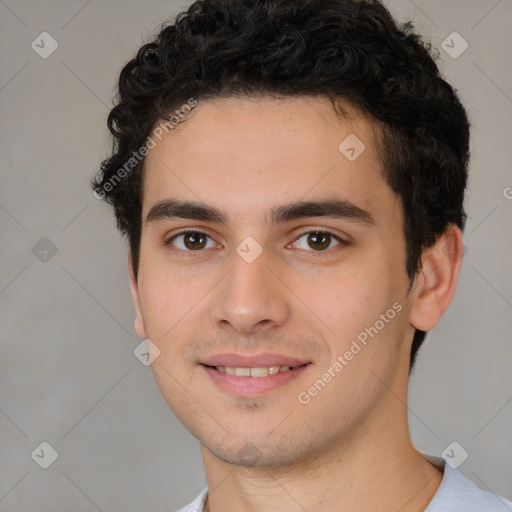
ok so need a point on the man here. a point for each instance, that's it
(290, 177)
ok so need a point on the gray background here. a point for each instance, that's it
(67, 369)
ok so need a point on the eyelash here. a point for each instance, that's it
(189, 253)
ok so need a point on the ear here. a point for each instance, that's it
(134, 289)
(434, 286)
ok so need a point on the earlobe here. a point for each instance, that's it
(134, 289)
(435, 285)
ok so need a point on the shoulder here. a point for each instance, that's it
(457, 492)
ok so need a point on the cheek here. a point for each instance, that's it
(168, 299)
(350, 299)
(365, 312)
(367, 319)
(170, 302)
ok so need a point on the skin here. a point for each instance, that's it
(349, 448)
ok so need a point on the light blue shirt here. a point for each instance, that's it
(455, 494)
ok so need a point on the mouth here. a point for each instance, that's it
(261, 371)
(250, 377)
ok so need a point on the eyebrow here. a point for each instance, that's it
(193, 210)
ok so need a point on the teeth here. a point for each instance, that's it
(252, 372)
(259, 372)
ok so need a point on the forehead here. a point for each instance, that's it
(253, 154)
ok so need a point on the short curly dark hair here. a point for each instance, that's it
(350, 50)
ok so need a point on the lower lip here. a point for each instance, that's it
(252, 386)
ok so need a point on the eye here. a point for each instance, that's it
(191, 241)
(319, 240)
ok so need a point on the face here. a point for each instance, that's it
(292, 255)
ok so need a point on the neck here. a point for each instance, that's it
(374, 466)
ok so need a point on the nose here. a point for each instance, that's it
(251, 298)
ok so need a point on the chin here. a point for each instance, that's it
(259, 453)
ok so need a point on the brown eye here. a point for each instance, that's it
(318, 240)
(194, 241)
(190, 241)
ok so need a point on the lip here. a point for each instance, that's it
(253, 386)
(253, 361)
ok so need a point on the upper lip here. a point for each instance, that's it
(253, 361)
